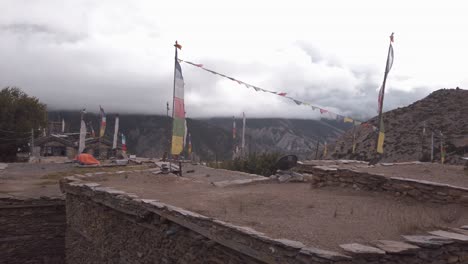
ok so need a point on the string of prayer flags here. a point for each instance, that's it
(329, 114)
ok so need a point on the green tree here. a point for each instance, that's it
(19, 114)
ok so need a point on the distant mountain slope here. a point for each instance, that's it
(287, 136)
(149, 135)
(445, 111)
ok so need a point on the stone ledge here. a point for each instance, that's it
(359, 249)
(428, 241)
(450, 235)
(242, 239)
(421, 190)
(396, 247)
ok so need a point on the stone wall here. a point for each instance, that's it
(32, 231)
(417, 189)
(110, 226)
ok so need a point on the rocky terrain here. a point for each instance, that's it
(443, 113)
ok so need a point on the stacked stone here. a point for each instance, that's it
(420, 190)
(32, 230)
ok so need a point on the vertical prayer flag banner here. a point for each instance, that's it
(442, 153)
(243, 133)
(388, 67)
(82, 137)
(116, 132)
(124, 144)
(234, 127)
(103, 122)
(178, 114)
(381, 139)
(189, 148)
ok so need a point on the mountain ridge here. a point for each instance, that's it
(444, 110)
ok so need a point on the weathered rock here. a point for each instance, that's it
(428, 241)
(460, 231)
(3, 166)
(450, 235)
(396, 247)
(359, 249)
(325, 254)
(289, 176)
(239, 182)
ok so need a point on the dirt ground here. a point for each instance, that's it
(436, 172)
(31, 180)
(323, 217)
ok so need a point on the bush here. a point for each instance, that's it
(261, 164)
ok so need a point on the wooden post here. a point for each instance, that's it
(317, 149)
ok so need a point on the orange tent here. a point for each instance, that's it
(87, 159)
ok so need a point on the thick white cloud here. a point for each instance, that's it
(74, 54)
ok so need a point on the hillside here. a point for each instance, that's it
(287, 136)
(149, 135)
(443, 111)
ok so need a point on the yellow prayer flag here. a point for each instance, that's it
(380, 142)
(177, 145)
(348, 120)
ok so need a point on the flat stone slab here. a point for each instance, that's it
(359, 249)
(395, 247)
(450, 235)
(326, 168)
(460, 231)
(428, 241)
(3, 166)
(464, 227)
(223, 184)
(325, 254)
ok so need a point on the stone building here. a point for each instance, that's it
(102, 149)
(54, 145)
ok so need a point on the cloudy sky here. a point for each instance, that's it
(74, 54)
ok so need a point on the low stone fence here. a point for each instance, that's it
(418, 189)
(106, 225)
(32, 231)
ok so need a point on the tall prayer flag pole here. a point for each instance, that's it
(381, 137)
